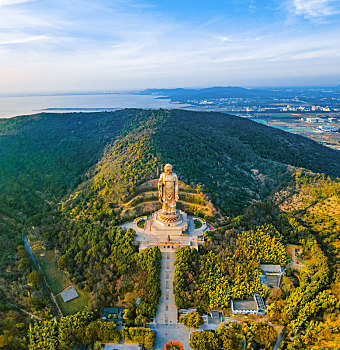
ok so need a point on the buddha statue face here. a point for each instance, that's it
(168, 169)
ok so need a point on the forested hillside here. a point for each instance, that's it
(235, 161)
(42, 157)
(70, 176)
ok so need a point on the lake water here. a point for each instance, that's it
(14, 106)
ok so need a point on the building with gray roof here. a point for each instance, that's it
(69, 294)
(253, 306)
(271, 275)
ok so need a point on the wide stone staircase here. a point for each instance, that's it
(167, 310)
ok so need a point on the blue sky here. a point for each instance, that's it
(65, 45)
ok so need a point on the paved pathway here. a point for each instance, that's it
(165, 333)
(279, 339)
(166, 326)
(167, 310)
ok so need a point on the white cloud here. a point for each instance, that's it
(23, 40)
(87, 44)
(12, 2)
(314, 8)
(286, 49)
(224, 39)
(317, 54)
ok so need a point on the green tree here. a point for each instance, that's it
(231, 340)
(266, 335)
(192, 320)
(34, 278)
(204, 341)
(139, 335)
(275, 312)
(108, 333)
(22, 252)
(25, 265)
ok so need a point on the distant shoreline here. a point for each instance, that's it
(89, 93)
(14, 106)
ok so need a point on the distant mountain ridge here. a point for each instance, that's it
(218, 92)
(181, 94)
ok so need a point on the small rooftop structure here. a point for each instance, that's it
(269, 268)
(215, 317)
(185, 312)
(215, 314)
(272, 275)
(69, 294)
(251, 306)
(114, 314)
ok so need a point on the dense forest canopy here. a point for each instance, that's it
(235, 161)
(64, 181)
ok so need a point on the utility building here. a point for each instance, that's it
(250, 306)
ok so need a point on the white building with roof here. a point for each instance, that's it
(254, 306)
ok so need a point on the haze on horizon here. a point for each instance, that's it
(135, 44)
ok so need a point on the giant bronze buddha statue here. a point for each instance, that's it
(168, 195)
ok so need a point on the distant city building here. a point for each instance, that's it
(205, 102)
(289, 108)
(319, 108)
(329, 128)
(314, 120)
(251, 306)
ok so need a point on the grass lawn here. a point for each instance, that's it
(173, 347)
(58, 280)
(141, 224)
(197, 224)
